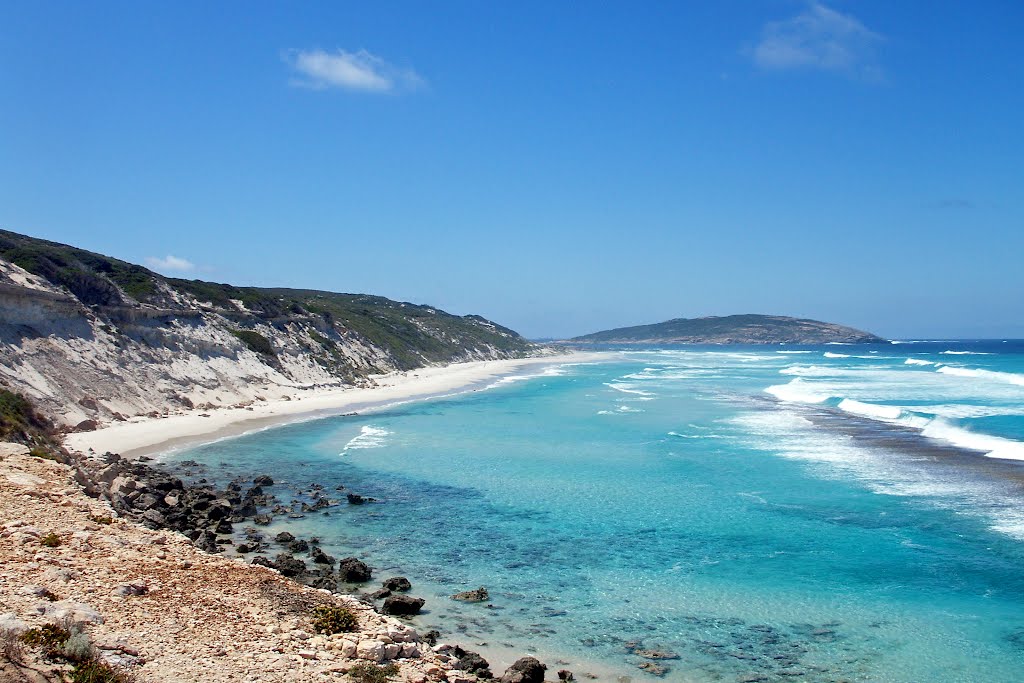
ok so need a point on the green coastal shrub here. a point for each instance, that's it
(255, 341)
(50, 540)
(330, 619)
(368, 672)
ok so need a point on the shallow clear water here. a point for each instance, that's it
(806, 532)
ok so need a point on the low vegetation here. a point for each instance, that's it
(50, 540)
(255, 341)
(330, 619)
(368, 672)
(68, 643)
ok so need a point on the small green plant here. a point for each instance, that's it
(95, 671)
(331, 619)
(50, 638)
(50, 540)
(368, 672)
(101, 519)
(78, 648)
(42, 453)
(255, 341)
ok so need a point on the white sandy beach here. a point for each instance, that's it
(150, 435)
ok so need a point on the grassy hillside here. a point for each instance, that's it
(734, 329)
(410, 334)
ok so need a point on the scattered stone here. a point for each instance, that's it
(263, 480)
(477, 595)
(284, 537)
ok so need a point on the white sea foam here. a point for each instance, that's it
(993, 375)
(368, 437)
(871, 410)
(917, 361)
(627, 388)
(794, 352)
(789, 435)
(964, 353)
(797, 391)
(991, 446)
(829, 354)
(962, 411)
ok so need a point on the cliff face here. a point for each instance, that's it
(734, 329)
(87, 337)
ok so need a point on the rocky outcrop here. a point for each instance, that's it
(158, 607)
(525, 670)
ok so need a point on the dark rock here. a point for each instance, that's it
(224, 527)
(284, 537)
(352, 570)
(355, 499)
(320, 557)
(656, 654)
(525, 670)
(243, 548)
(653, 668)
(207, 541)
(477, 595)
(472, 663)
(87, 426)
(298, 546)
(402, 605)
(430, 637)
(325, 582)
(289, 565)
(565, 675)
(399, 584)
(380, 594)
(262, 520)
(263, 480)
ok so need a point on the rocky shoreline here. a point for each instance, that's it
(170, 607)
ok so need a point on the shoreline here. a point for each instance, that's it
(149, 436)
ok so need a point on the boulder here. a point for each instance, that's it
(320, 557)
(525, 670)
(472, 663)
(398, 584)
(298, 546)
(398, 605)
(263, 480)
(289, 565)
(284, 537)
(353, 570)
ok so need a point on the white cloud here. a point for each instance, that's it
(819, 38)
(360, 70)
(170, 263)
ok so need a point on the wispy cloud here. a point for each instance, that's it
(170, 264)
(820, 38)
(362, 71)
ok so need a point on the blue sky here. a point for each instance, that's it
(558, 167)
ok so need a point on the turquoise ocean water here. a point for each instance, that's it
(834, 513)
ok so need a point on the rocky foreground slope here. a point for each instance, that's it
(90, 338)
(151, 606)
